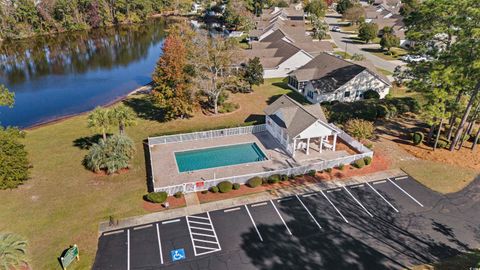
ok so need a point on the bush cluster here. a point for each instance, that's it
(370, 109)
(225, 186)
(236, 186)
(417, 138)
(367, 160)
(157, 197)
(254, 182)
(214, 189)
(273, 179)
(359, 163)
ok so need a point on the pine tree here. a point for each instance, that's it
(170, 89)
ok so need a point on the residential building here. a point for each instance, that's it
(328, 78)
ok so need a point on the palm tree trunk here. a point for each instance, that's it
(438, 134)
(465, 116)
(121, 128)
(475, 142)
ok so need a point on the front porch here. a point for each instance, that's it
(314, 144)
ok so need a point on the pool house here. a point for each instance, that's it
(300, 128)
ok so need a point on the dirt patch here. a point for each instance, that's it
(379, 163)
(156, 207)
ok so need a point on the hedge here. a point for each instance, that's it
(273, 179)
(225, 186)
(359, 163)
(417, 138)
(214, 189)
(367, 160)
(157, 197)
(236, 186)
(254, 182)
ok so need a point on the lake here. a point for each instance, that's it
(66, 74)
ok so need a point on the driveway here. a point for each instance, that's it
(343, 42)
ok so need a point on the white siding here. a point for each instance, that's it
(297, 60)
(357, 86)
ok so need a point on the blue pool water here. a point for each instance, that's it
(218, 156)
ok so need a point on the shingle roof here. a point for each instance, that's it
(295, 117)
(272, 54)
(330, 72)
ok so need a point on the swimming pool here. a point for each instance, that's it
(193, 160)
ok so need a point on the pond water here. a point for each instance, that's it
(67, 74)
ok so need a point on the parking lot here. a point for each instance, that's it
(376, 225)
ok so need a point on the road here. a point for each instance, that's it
(342, 41)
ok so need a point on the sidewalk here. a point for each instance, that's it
(194, 207)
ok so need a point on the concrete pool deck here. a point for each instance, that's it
(165, 170)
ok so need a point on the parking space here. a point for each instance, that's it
(210, 238)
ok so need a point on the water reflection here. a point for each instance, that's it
(94, 67)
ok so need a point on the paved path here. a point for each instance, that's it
(342, 41)
(194, 208)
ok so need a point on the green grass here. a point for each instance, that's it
(396, 91)
(399, 52)
(463, 261)
(384, 71)
(63, 203)
(350, 28)
(441, 177)
(344, 55)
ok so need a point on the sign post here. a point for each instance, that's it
(70, 255)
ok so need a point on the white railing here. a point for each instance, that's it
(210, 134)
(242, 179)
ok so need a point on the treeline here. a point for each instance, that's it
(25, 18)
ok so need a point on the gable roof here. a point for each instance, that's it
(296, 117)
(272, 54)
(332, 72)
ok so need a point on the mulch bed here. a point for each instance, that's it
(379, 163)
(156, 207)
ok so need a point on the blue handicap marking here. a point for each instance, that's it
(177, 254)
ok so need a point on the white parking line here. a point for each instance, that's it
(308, 211)
(206, 241)
(258, 204)
(308, 195)
(209, 248)
(400, 178)
(359, 203)
(280, 216)
(159, 244)
(214, 232)
(206, 218)
(253, 222)
(113, 232)
(411, 197)
(199, 228)
(142, 227)
(381, 196)
(379, 182)
(198, 222)
(202, 234)
(171, 221)
(231, 209)
(357, 186)
(338, 211)
(128, 249)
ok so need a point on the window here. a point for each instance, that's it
(310, 94)
(347, 94)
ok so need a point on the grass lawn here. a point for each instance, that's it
(463, 261)
(399, 52)
(438, 176)
(350, 28)
(344, 55)
(384, 71)
(62, 203)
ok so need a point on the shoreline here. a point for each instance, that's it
(142, 89)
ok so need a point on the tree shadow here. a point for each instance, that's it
(255, 119)
(353, 40)
(292, 94)
(148, 167)
(145, 108)
(86, 142)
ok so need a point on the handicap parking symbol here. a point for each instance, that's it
(177, 254)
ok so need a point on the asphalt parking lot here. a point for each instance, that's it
(386, 224)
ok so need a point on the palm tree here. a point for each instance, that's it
(123, 116)
(13, 249)
(100, 119)
(111, 154)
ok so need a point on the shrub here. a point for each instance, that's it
(236, 186)
(367, 160)
(417, 138)
(341, 167)
(283, 177)
(214, 189)
(110, 155)
(382, 111)
(157, 197)
(371, 94)
(178, 194)
(204, 191)
(274, 179)
(359, 163)
(254, 182)
(292, 176)
(312, 173)
(442, 143)
(225, 186)
(360, 129)
(328, 170)
(228, 107)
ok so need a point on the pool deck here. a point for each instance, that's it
(165, 170)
